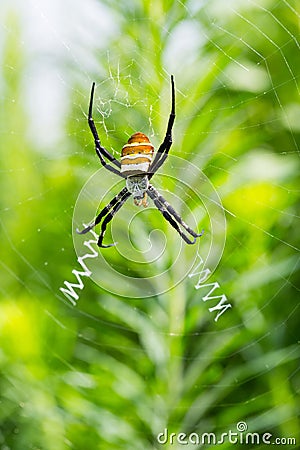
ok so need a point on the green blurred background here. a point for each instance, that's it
(112, 371)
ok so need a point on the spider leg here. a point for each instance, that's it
(172, 211)
(162, 152)
(104, 211)
(100, 150)
(168, 211)
(108, 218)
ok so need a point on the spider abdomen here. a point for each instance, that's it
(136, 155)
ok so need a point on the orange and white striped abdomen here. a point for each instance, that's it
(137, 155)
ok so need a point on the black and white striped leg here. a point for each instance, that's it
(172, 211)
(100, 150)
(104, 211)
(168, 211)
(163, 150)
(108, 218)
(169, 218)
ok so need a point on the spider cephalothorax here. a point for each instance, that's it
(138, 165)
(138, 185)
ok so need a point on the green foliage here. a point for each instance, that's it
(114, 371)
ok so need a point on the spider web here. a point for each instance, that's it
(61, 61)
